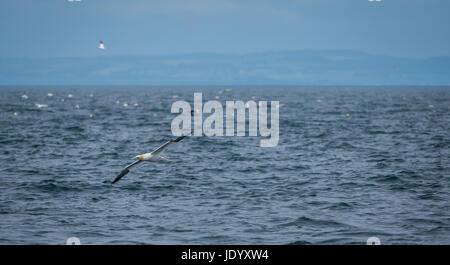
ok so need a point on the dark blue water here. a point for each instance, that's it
(351, 163)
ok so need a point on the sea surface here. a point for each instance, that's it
(351, 163)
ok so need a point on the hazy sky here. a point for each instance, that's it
(54, 28)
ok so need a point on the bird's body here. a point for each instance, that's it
(154, 156)
(101, 46)
(147, 157)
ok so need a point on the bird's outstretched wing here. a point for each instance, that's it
(126, 170)
(164, 146)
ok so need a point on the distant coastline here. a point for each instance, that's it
(289, 68)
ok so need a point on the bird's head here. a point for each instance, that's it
(140, 157)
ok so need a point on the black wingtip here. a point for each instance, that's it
(180, 138)
(123, 173)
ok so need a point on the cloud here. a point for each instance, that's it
(112, 69)
(182, 8)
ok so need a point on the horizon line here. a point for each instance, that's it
(221, 53)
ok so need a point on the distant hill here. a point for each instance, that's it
(340, 67)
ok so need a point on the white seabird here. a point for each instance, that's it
(154, 156)
(101, 46)
(41, 105)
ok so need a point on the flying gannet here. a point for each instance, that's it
(101, 46)
(154, 156)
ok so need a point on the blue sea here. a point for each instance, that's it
(351, 163)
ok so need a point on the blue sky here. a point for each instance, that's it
(56, 28)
